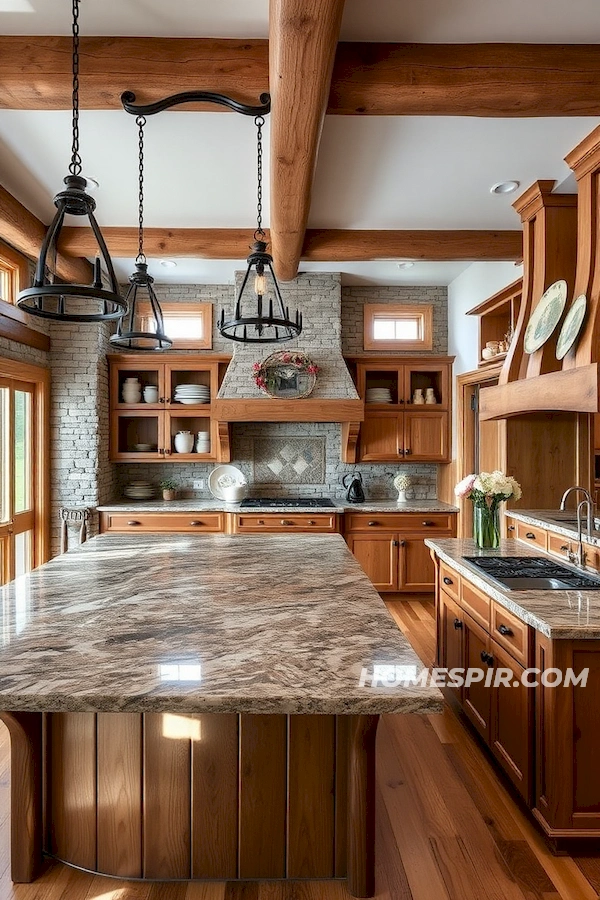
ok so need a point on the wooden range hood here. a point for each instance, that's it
(561, 233)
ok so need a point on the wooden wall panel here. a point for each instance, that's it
(263, 763)
(72, 802)
(341, 794)
(167, 796)
(311, 801)
(120, 794)
(215, 797)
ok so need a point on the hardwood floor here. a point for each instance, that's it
(446, 827)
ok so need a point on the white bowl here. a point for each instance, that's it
(234, 492)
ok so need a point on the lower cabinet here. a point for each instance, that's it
(477, 701)
(512, 721)
(378, 556)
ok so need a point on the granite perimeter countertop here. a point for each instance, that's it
(562, 522)
(204, 623)
(569, 614)
(341, 506)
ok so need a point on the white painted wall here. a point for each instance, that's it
(478, 282)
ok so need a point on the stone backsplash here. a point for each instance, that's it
(304, 460)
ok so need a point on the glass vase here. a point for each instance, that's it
(486, 526)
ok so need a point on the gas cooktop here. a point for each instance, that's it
(533, 573)
(293, 502)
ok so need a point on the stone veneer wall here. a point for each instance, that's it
(354, 299)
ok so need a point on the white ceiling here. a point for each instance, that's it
(456, 21)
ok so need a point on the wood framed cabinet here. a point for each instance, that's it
(145, 431)
(400, 428)
(391, 549)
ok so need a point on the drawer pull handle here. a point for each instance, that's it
(261, 522)
(400, 451)
(511, 527)
(286, 522)
(195, 523)
(457, 623)
(447, 580)
(371, 524)
(487, 657)
(395, 543)
(564, 547)
(133, 522)
(427, 523)
(311, 522)
(407, 451)
(530, 535)
(505, 630)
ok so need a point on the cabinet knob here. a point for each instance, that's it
(400, 451)
(162, 400)
(371, 524)
(395, 543)
(457, 623)
(487, 657)
(402, 543)
(195, 523)
(407, 451)
(261, 521)
(133, 522)
(427, 523)
(511, 527)
(530, 535)
(447, 580)
(505, 630)
(311, 522)
(167, 451)
(286, 522)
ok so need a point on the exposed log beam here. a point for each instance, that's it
(24, 231)
(320, 245)
(303, 36)
(35, 72)
(466, 80)
(368, 78)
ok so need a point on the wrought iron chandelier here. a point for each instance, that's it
(260, 316)
(142, 327)
(73, 302)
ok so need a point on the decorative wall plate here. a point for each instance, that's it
(571, 326)
(223, 477)
(546, 316)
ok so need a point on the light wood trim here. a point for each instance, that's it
(25, 233)
(18, 267)
(25, 730)
(199, 309)
(368, 79)
(423, 312)
(567, 391)
(15, 330)
(303, 36)
(350, 433)
(269, 410)
(497, 300)
(320, 244)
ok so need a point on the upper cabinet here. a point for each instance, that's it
(407, 409)
(153, 399)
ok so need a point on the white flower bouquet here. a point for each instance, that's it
(487, 491)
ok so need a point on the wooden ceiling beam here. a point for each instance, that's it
(368, 78)
(24, 231)
(303, 37)
(320, 245)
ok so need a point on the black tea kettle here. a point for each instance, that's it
(355, 493)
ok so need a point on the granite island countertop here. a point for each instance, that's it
(203, 623)
(572, 614)
(341, 506)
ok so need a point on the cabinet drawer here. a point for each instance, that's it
(449, 581)
(559, 545)
(475, 603)
(530, 534)
(283, 523)
(162, 522)
(414, 522)
(511, 633)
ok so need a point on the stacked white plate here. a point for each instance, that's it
(203, 442)
(379, 395)
(139, 490)
(192, 393)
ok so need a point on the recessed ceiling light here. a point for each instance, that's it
(168, 263)
(91, 184)
(504, 187)
(405, 265)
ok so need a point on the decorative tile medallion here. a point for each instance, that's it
(289, 460)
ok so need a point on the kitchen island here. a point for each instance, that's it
(200, 706)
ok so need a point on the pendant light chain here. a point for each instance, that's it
(75, 166)
(140, 122)
(259, 122)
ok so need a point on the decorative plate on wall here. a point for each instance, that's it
(546, 316)
(571, 326)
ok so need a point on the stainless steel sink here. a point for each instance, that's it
(533, 573)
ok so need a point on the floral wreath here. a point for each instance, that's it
(282, 357)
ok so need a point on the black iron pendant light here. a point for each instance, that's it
(73, 302)
(260, 316)
(142, 327)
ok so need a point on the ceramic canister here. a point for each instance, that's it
(151, 394)
(418, 397)
(430, 396)
(184, 442)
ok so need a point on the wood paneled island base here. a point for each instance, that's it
(163, 796)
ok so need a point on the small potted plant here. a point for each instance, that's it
(169, 489)
(402, 484)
